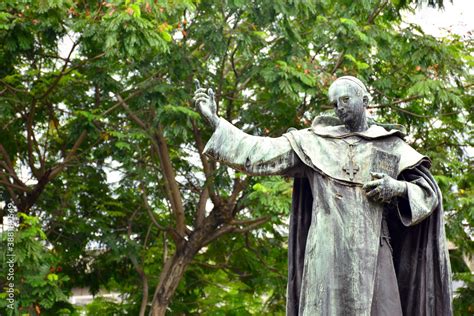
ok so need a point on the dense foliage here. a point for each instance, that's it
(101, 148)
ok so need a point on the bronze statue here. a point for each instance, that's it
(366, 231)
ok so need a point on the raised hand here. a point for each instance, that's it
(384, 188)
(206, 104)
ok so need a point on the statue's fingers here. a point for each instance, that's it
(201, 99)
(383, 196)
(371, 184)
(201, 94)
(197, 84)
(213, 100)
(374, 193)
(377, 175)
(200, 103)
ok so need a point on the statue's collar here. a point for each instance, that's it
(331, 127)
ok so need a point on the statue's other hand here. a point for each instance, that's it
(206, 104)
(384, 188)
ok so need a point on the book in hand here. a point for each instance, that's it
(385, 162)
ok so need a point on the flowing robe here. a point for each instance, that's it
(336, 265)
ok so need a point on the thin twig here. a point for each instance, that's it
(339, 61)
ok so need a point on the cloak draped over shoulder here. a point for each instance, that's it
(335, 230)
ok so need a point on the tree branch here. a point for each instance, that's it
(380, 6)
(61, 74)
(160, 146)
(65, 70)
(260, 258)
(149, 210)
(70, 155)
(408, 99)
(217, 233)
(12, 88)
(339, 61)
(139, 269)
(229, 228)
(259, 220)
(239, 185)
(25, 203)
(132, 115)
(12, 194)
(144, 85)
(232, 62)
(211, 266)
(169, 176)
(147, 235)
(12, 185)
(201, 207)
(30, 199)
(207, 167)
(8, 166)
(253, 224)
(29, 138)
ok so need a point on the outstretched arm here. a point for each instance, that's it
(252, 154)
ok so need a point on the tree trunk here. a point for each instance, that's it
(170, 277)
(176, 265)
(158, 310)
(144, 298)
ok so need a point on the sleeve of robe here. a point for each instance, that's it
(420, 253)
(421, 198)
(254, 155)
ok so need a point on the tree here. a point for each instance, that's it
(177, 231)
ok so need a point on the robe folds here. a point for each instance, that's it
(339, 262)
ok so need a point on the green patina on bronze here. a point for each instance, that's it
(357, 184)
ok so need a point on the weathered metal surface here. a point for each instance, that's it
(361, 178)
(344, 236)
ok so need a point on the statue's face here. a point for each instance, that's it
(348, 104)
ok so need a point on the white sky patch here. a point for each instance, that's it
(65, 45)
(456, 18)
(178, 36)
(112, 171)
(25, 174)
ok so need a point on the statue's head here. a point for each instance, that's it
(350, 99)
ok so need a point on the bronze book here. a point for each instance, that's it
(385, 162)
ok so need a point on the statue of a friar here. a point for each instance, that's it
(366, 230)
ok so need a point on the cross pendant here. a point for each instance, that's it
(350, 168)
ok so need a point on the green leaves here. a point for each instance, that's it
(359, 64)
(177, 112)
(38, 276)
(5, 18)
(128, 34)
(270, 64)
(272, 195)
